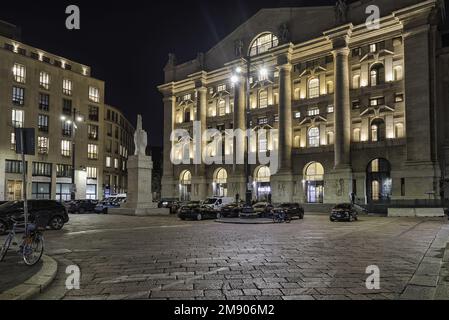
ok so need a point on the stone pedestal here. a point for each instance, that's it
(338, 186)
(139, 198)
(282, 186)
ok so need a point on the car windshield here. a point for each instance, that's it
(210, 201)
(343, 206)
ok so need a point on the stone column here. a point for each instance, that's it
(168, 179)
(342, 107)
(199, 176)
(282, 180)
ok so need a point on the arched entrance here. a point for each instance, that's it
(220, 184)
(378, 181)
(262, 185)
(185, 185)
(314, 182)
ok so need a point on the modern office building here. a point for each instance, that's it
(65, 105)
(359, 110)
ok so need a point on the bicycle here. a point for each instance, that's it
(32, 246)
(281, 217)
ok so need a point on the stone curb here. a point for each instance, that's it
(249, 221)
(34, 285)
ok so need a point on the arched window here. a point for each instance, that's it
(221, 108)
(314, 182)
(314, 137)
(220, 183)
(185, 185)
(377, 130)
(263, 174)
(377, 74)
(356, 135)
(397, 73)
(314, 88)
(378, 181)
(263, 43)
(330, 87)
(356, 82)
(399, 131)
(263, 99)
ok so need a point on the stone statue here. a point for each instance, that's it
(284, 33)
(341, 11)
(140, 139)
(171, 60)
(238, 47)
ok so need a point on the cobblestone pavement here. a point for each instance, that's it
(164, 258)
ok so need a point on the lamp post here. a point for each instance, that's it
(76, 117)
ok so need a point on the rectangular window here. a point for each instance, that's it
(92, 173)
(187, 97)
(91, 192)
(313, 112)
(67, 87)
(108, 162)
(19, 73)
(42, 123)
(109, 146)
(42, 145)
(330, 109)
(263, 121)
(399, 97)
(67, 107)
(92, 132)
(373, 47)
(276, 118)
(63, 171)
(93, 113)
(221, 88)
(116, 163)
(41, 169)
(13, 141)
(94, 94)
(109, 129)
(13, 166)
(66, 147)
(44, 80)
(356, 52)
(63, 191)
(40, 191)
(297, 115)
(377, 102)
(92, 151)
(66, 129)
(356, 104)
(44, 102)
(18, 96)
(17, 118)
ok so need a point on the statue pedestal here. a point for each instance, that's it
(139, 200)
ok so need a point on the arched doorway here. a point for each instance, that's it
(378, 130)
(185, 185)
(262, 183)
(314, 182)
(378, 181)
(220, 183)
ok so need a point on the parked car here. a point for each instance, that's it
(291, 209)
(263, 209)
(231, 210)
(81, 206)
(111, 202)
(172, 204)
(56, 211)
(248, 212)
(196, 211)
(216, 203)
(344, 212)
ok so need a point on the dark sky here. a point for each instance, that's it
(127, 42)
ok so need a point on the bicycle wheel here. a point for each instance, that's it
(33, 249)
(5, 248)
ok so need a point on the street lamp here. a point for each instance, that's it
(76, 117)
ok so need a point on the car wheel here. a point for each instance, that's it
(3, 227)
(199, 217)
(56, 223)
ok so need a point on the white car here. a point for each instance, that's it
(217, 203)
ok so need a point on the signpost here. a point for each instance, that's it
(25, 145)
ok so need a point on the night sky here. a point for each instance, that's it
(127, 42)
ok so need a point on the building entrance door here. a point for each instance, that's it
(315, 191)
(14, 190)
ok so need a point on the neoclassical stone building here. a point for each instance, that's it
(359, 110)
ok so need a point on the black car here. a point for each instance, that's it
(81, 206)
(263, 209)
(344, 212)
(231, 210)
(56, 211)
(172, 204)
(291, 209)
(196, 211)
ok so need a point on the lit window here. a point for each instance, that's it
(42, 123)
(330, 137)
(94, 94)
(108, 162)
(221, 88)
(314, 137)
(330, 87)
(187, 97)
(314, 88)
(221, 108)
(92, 173)
(399, 130)
(297, 115)
(44, 80)
(373, 47)
(263, 43)
(18, 96)
(398, 74)
(356, 135)
(17, 118)
(212, 111)
(377, 102)
(377, 74)
(356, 82)
(276, 118)
(399, 97)
(19, 73)
(13, 141)
(116, 163)
(263, 121)
(67, 87)
(315, 111)
(92, 151)
(92, 132)
(330, 109)
(42, 145)
(263, 99)
(66, 148)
